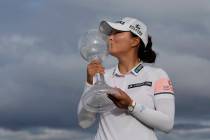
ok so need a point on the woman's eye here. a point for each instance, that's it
(116, 32)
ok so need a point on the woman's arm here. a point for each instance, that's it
(85, 118)
(162, 117)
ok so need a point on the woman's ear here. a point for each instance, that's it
(135, 41)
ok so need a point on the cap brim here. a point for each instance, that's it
(107, 27)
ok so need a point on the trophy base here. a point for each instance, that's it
(96, 99)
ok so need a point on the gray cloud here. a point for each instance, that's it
(44, 134)
(181, 26)
(190, 79)
(37, 86)
(189, 72)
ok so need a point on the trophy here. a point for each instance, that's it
(92, 46)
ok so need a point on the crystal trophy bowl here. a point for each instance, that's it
(92, 45)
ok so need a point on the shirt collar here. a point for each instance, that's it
(135, 70)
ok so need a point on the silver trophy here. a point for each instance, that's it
(92, 45)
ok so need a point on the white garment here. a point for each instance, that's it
(153, 93)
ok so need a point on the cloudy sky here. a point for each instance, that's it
(42, 74)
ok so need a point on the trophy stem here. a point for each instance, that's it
(99, 78)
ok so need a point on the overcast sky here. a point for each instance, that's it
(42, 74)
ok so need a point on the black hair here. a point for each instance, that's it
(146, 53)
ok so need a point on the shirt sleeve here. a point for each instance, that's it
(85, 118)
(162, 117)
(162, 84)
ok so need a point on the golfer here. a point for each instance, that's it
(145, 100)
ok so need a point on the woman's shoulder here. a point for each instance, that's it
(155, 71)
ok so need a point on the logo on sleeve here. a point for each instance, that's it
(163, 85)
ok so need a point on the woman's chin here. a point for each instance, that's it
(113, 53)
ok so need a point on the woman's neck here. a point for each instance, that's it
(126, 64)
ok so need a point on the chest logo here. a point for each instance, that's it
(146, 83)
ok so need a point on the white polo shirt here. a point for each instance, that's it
(152, 91)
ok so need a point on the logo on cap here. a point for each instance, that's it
(121, 22)
(138, 26)
(136, 29)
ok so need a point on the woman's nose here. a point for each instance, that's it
(111, 37)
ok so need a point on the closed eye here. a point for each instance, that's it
(114, 32)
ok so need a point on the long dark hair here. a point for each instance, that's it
(145, 53)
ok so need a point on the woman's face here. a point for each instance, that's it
(120, 42)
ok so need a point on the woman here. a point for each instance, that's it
(145, 99)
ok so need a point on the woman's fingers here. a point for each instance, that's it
(92, 68)
(95, 62)
(95, 68)
(112, 97)
(120, 99)
(114, 100)
(118, 95)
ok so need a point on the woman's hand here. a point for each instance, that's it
(120, 99)
(94, 67)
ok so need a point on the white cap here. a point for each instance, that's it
(126, 24)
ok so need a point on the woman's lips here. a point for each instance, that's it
(110, 45)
